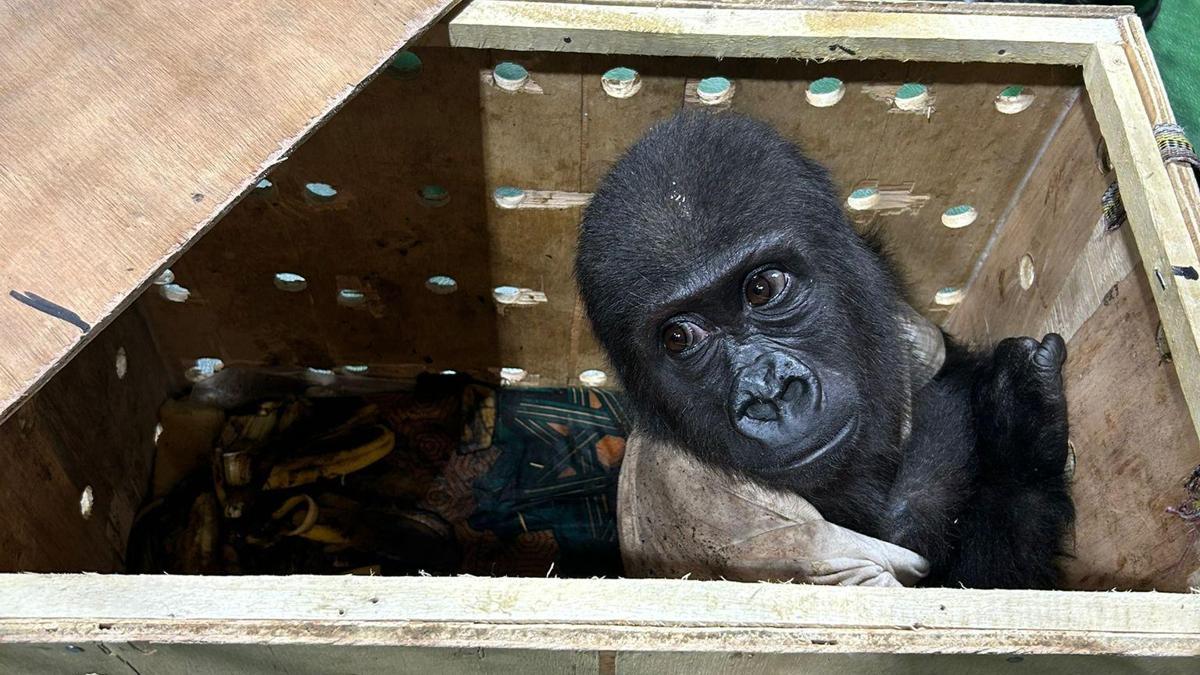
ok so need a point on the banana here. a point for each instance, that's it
(367, 446)
(326, 534)
(200, 539)
(258, 428)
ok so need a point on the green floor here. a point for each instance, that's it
(1174, 41)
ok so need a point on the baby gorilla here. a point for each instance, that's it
(751, 325)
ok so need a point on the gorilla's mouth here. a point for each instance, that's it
(823, 446)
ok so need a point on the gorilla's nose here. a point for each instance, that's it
(775, 390)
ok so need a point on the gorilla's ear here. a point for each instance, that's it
(926, 346)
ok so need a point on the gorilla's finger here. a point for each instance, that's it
(1052, 353)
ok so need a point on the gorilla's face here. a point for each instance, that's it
(749, 348)
(747, 320)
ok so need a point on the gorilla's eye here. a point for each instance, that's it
(762, 287)
(679, 336)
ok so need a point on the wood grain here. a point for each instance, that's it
(1156, 218)
(591, 614)
(793, 31)
(219, 659)
(130, 128)
(451, 127)
(1052, 219)
(1134, 448)
(87, 427)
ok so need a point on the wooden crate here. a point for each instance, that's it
(128, 136)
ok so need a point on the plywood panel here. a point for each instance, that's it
(91, 426)
(452, 127)
(1054, 217)
(532, 141)
(1134, 448)
(130, 127)
(964, 151)
(376, 235)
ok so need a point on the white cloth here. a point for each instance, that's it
(677, 517)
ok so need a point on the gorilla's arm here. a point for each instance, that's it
(1013, 529)
(981, 491)
(936, 476)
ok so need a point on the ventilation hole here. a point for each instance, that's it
(508, 197)
(863, 199)
(320, 192)
(122, 363)
(506, 294)
(512, 375)
(355, 369)
(510, 76)
(825, 92)
(164, 277)
(203, 369)
(263, 185)
(621, 82)
(1026, 272)
(158, 430)
(405, 66)
(349, 297)
(320, 376)
(174, 292)
(911, 96)
(1013, 99)
(593, 378)
(292, 283)
(950, 295)
(86, 501)
(441, 284)
(959, 216)
(714, 90)
(433, 195)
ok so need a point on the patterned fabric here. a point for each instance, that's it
(1174, 146)
(525, 479)
(558, 455)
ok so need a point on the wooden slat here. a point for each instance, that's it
(851, 32)
(222, 659)
(129, 128)
(590, 614)
(1163, 238)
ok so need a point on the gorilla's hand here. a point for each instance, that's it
(1021, 409)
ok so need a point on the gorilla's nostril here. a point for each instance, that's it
(794, 389)
(762, 411)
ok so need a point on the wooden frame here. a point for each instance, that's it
(600, 617)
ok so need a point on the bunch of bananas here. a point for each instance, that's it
(263, 465)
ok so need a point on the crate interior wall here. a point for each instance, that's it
(416, 159)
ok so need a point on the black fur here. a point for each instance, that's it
(805, 392)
